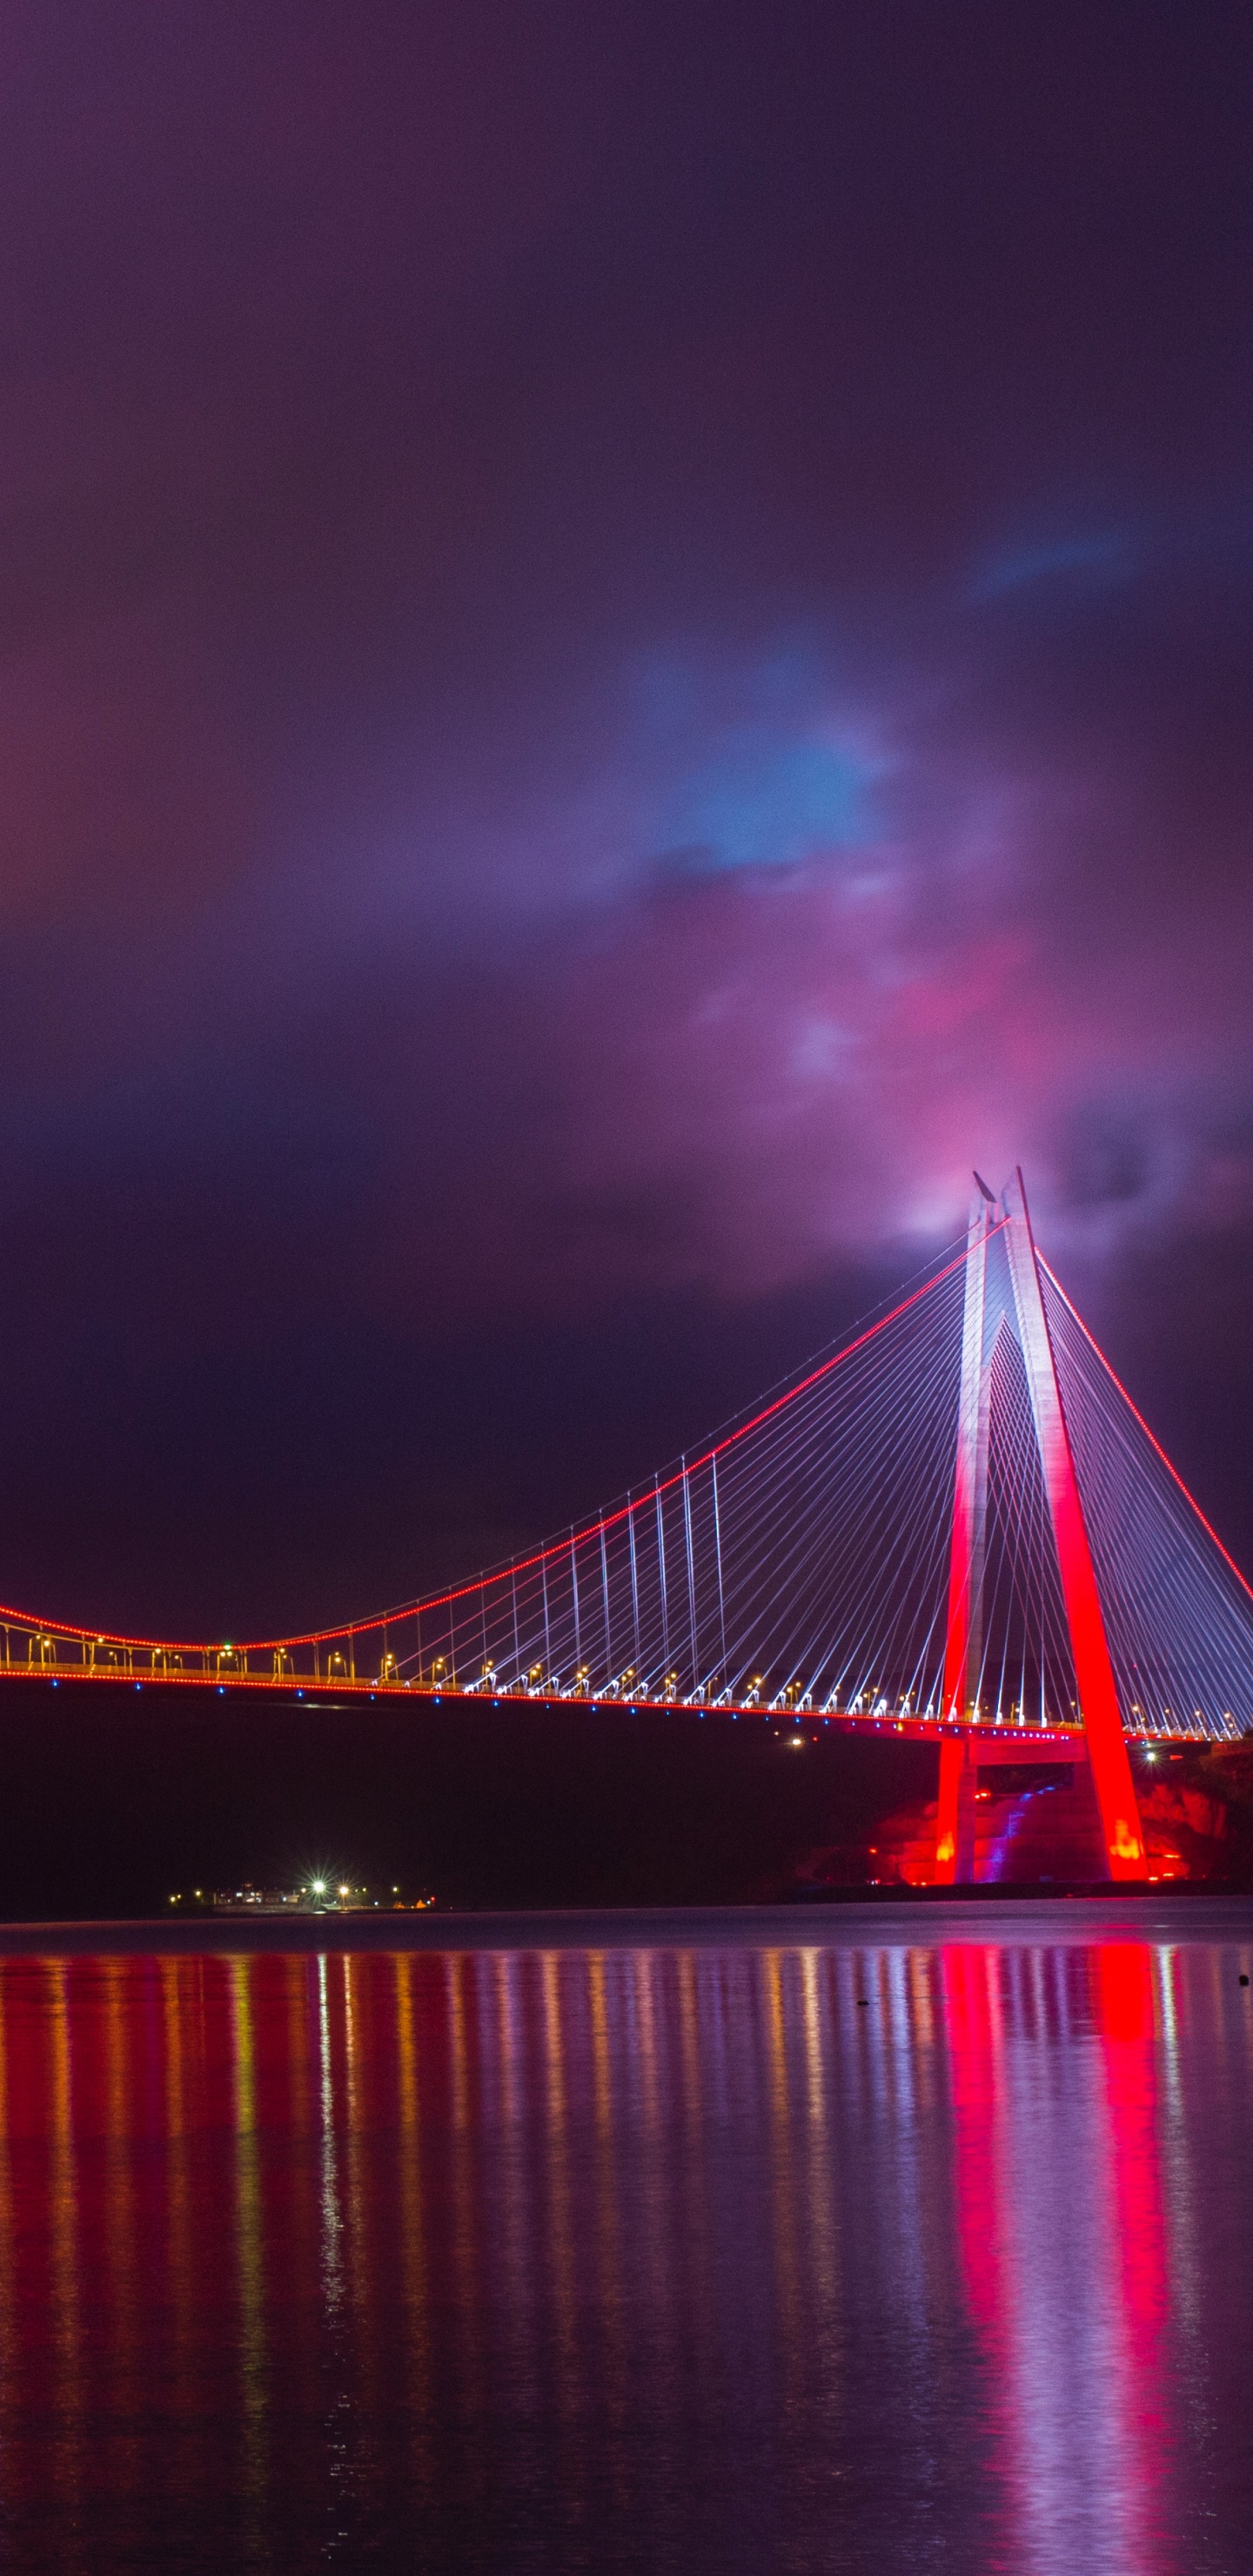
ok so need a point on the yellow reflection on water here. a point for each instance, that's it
(254, 2357)
(560, 2238)
(644, 1966)
(681, 1967)
(121, 2027)
(608, 2265)
(179, 2237)
(512, 2172)
(819, 2198)
(8, 2286)
(356, 1970)
(782, 2177)
(412, 2245)
(67, 2337)
(459, 1967)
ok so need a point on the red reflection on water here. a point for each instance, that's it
(972, 2028)
(1060, 2225)
(300, 2254)
(1125, 1994)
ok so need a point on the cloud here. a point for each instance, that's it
(1089, 561)
(766, 804)
(595, 692)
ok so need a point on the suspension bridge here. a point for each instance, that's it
(955, 1525)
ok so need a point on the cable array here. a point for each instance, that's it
(800, 1559)
(1178, 1612)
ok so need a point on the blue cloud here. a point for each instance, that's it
(1103, 557)
(763, 804)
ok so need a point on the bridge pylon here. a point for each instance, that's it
(1122, 1837)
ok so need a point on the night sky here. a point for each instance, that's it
(627, 642)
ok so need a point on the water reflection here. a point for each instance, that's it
(1059, 2222)
(755, 2258)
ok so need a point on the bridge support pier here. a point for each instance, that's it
(955, 1816)
(1094, 1674)
(962, 1758)
(1110, 1769)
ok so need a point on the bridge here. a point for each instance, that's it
(954, 1525)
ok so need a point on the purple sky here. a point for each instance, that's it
(626, 643)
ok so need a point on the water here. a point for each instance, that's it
(799, 2242)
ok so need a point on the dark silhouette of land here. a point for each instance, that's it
(115, 1798)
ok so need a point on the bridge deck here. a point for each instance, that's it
(1008, 1743)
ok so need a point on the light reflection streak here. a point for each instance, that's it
(335, 2304)
(589, 2209)
(121, 2023)
(782, 2194)
(557, 2168)
(895, 2041)
(472, 2244)
(251, 2260)
(413, 2269)
(698, 2267)
(332, 2266)
(648, 2200)
(354, 1972)
(294, 2219)
(8, 2287)
(67, 2337)
(515, 2277)
(1058, 2207)
(607, 2219)
(1124, 1978)
(821, 2238)
(179, 2239)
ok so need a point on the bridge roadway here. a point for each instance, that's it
(998, 1741)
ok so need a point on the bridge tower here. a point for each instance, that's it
(1110, 1768)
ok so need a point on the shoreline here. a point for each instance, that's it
(919, 1918)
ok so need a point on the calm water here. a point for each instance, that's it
(665, 2252)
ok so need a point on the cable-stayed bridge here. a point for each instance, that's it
(955, 1525)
